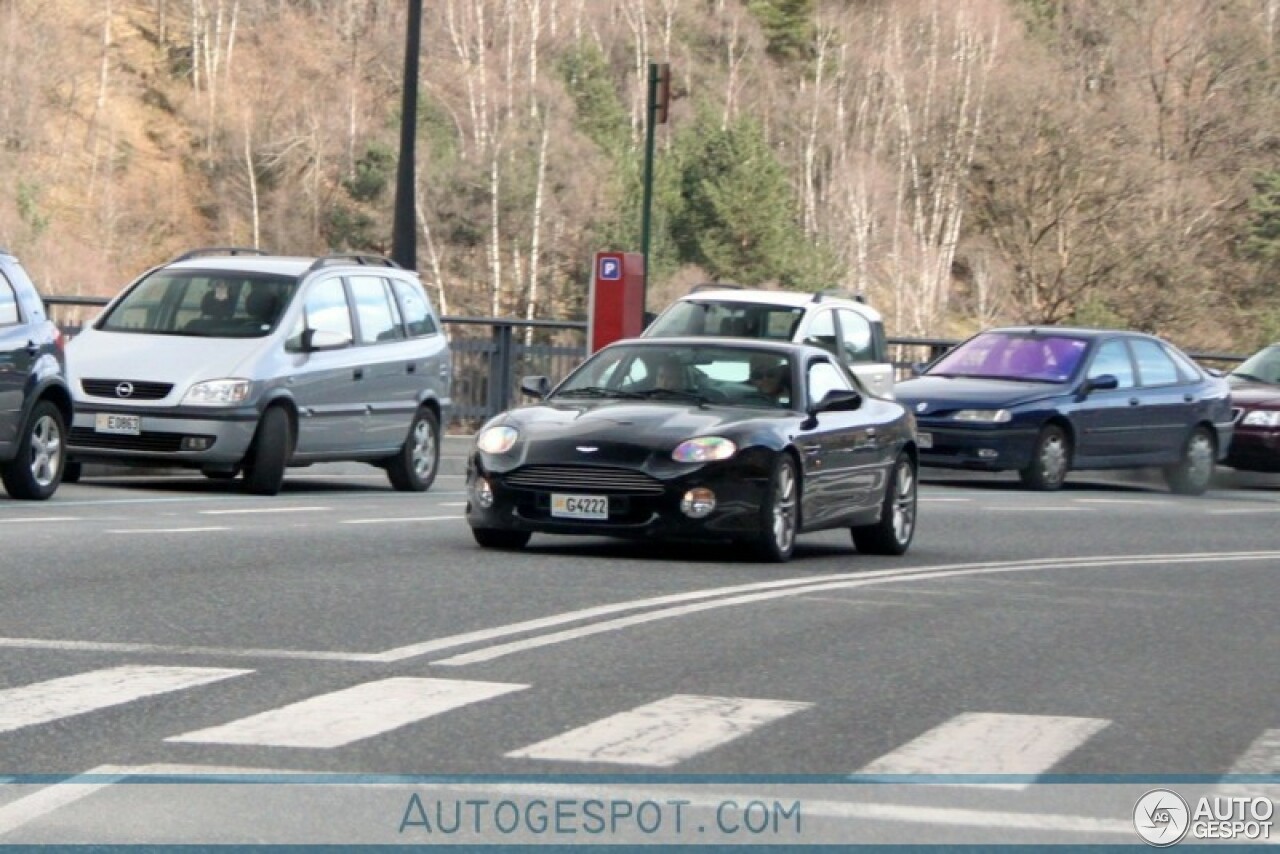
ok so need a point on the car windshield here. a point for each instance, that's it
(1031, 357)
(1262, 367)
(729, 319)
(733, 376)
(202, 304)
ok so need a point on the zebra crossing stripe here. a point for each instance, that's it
(662, 733)
(1261, 757)
(65, 696)
(989, 744)
(355, 713)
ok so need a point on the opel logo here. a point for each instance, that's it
(124, 390)
(921, 406)
(588, 449)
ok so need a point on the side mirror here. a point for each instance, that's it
(1103, 382)
(536, 386)
(323, 339)
(838, 400)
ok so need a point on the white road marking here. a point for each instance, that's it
(663, 733)
(1243, 510)
(391, 520)
(1151, 502)
(63, 697)
(166, 530)
(27, 520)
(453, 504)
(257, 510)
(1261, 757)
(341, 717)
(989, 744)
(1040, 509)
(940, 499)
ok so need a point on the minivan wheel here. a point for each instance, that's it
(413, 469)
(72, 470)
(264, 473)
(35, 472)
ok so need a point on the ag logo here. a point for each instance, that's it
(1161, 817)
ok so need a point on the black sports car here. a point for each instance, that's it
(746, 441)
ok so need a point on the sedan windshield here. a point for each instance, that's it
(202, 304)
(1030, 357)
(1261, 367)
(737, 376)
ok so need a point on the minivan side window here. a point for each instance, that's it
(325, 308)
(417, 317)
(822, 332)
(376, 311)
(856, 341)
(8, 303)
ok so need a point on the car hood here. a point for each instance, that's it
(947, 394)
(1255, 395)
(623, 432)
(177, 359)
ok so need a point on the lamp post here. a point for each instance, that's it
(404, 247)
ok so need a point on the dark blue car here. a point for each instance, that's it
(1045, 400)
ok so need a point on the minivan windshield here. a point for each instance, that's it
(726, 320)
(202, 304)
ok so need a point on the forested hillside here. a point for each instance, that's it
(962, 162)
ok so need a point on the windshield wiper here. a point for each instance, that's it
(598, 391)
(682, 394)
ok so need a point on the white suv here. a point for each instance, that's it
(847, 327)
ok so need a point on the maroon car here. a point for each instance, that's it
(1255, 404)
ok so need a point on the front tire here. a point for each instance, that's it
(35, 472)
(497, 538)
(1191, 475)
(780, 514)
(897, 526)
(1050, 461)
(413, 468)
(264, 474)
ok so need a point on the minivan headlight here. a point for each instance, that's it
(983, 416)
(218, 393)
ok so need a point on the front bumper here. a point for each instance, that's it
(984, 448)
(631, 513)
(168, 436)
(1255, 449)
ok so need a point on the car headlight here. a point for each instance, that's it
(983, 416)
(497, 439)
(218, 393)
(1262, 418)
(704, 449)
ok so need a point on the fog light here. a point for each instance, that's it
(484, 493)
(987, 454)
(698, 503)
(196, 443)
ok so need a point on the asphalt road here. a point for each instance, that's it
(165, 623)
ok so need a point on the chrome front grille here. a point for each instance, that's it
(136, 389)
(604, 479)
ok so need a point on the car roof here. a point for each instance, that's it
(283, 265)
(1070, 331)
(790, 299)
(705, 342)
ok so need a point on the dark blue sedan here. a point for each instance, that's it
(1045, 400)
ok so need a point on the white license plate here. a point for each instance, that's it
(580, 506)
(924, 440)
(128, 425)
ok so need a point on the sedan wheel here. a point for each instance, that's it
(1192, 474)
(892, 534)
(780, 514)
(1050, 461)
(36, 470)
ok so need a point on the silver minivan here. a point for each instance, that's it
(238, 362)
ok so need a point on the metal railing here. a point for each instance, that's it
(490, 353)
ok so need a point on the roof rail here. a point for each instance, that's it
(856, 296)
(352, 258)
(219, 250)
(715, 286)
